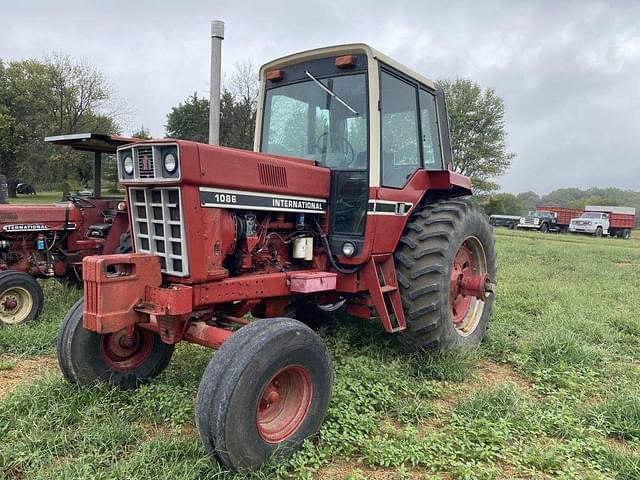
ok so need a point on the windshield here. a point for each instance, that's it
(328, 125)
(539, 214)
(591, 215)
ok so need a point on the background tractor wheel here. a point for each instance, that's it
(263, 393)
(21, 298)
(446, 247)
(85, 357)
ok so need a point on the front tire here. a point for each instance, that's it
(86, 357)
(442, 243)
(598, 232)
(21, 298)
(263, 393)
(544, 228)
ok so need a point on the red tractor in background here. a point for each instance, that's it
(44, 241)
(348, 199)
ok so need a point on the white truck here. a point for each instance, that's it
(601, 220)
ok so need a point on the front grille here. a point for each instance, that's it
(158, 224)
(145, 162)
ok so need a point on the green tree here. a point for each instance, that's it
(142, 133)
(502, 204)
(56, 95)
(529, 200)
(478, 136)
(189, 120)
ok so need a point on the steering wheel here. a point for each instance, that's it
(323, 149)
(79, 201)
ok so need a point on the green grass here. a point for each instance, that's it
(553, 392)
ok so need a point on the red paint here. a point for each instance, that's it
(125, 352)
(284, 403)
(310, 282)
(113, 286)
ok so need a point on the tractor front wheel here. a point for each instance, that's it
(263, 393)
(446, 270)
(21, 298)
(124, 359)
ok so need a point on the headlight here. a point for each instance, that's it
(348, 249)
(536, 221)
(522, 219)
(127, 164)
(170, 162)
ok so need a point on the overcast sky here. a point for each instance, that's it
(568, 71)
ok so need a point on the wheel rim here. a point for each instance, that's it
(16, 304)
(466, 304)
(124, 352)
(284, 404)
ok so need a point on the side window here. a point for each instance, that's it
(399, 124)
(430, 138)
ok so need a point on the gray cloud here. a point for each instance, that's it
(568, 71)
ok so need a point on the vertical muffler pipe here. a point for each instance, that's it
(217, 35)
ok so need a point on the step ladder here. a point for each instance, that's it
(380, 278)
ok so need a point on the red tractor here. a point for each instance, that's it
(348, 199)
(44, 241)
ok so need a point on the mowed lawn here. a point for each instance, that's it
(554, 391)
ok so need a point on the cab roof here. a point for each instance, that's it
(344, 49)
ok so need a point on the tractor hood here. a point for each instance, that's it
(35, 218)
(234, 169)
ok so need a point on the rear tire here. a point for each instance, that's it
(21, 298)
(426, 257)
(86, 357)
(277, 360)
(626, 234)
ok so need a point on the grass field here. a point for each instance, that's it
(554, 391)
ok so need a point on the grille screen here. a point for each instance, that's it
(145, 162)
(159, 227)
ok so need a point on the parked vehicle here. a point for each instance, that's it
(45, 241)
(321, 213)
(25, 189)
(601, 220)
(509, 221)
(542, 220)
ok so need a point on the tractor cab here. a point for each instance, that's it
(377, 125)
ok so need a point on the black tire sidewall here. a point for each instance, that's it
(82, 363)
(10, 279)
(232, 404)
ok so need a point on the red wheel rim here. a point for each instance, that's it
(124, 352)
(468, 286)
(459, 303)
(284, 403)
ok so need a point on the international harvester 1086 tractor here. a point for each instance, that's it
(348, 199)
(46, 241)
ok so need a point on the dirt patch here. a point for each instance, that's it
(343, 469)
(23, 370)
(491, 373)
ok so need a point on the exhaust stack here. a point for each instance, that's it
(217, 35)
